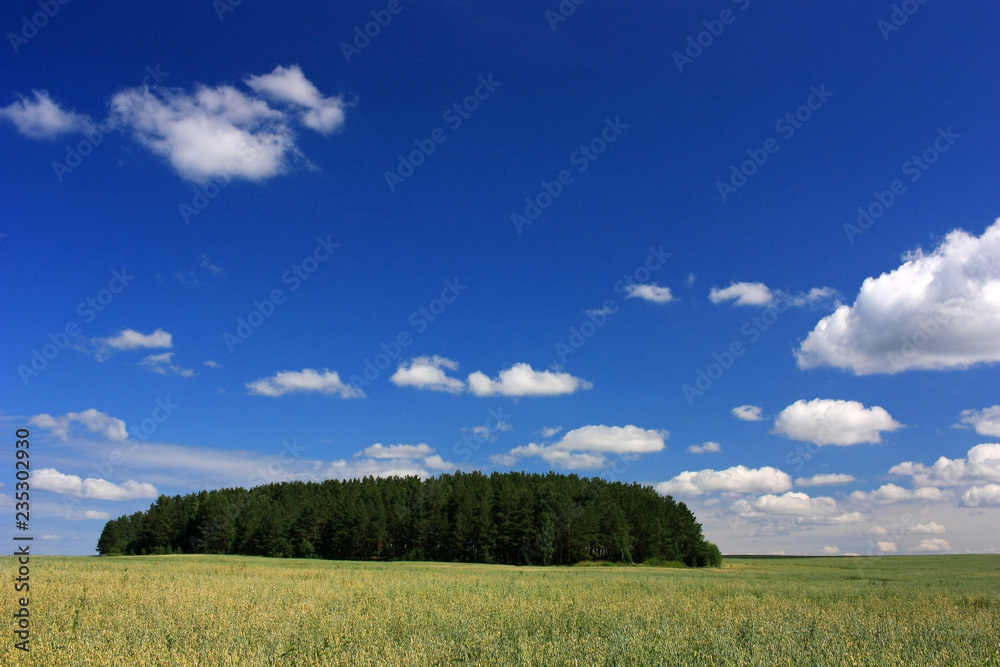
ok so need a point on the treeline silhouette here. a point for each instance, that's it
(511, 518)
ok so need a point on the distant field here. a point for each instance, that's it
(230, 610)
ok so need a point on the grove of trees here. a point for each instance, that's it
(511, 518)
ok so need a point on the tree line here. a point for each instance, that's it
(510, 518)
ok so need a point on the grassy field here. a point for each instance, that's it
(228, 610)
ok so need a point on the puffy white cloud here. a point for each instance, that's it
(110, 427)
(985, 421)
(50, 479)
(130, 339)
(933, 545)
(748, 413)
(289, 85)
(987, 495)
(587, 447)
(744, 294)
(428, 373)
(41, 118)
(831, 551)
(380, 451)
(834, 422)
(929, 528)
(549, 431)
(738, 479)
(892, 493)
(649, 292)
(888, 547)
(705, 448)
(981, 465)
(522, 380)
(791, 502)
(163, 364)
(407, 463)
(938, 310)
(308, 379)
(830, 479)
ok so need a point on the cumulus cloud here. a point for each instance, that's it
(933, 545)
(830, 551)
(834, 422)
(748, 413)
(938, 310)
(110, 427)
(41, 118)
(705, 448)
(887, 547)
(982, 464)
(892, 493)
(743, 294)
(831, 479)
(380, 451)
(522, 380)
(549, 431)
(130, 339)
(289, 85)
(792, 503)
(587, 447)
(308, 379)
(649, 292)
(738, 479)
(929, 528)
(164, 365)
(50, 479)
(428, 373)
(987, 495)
(985, 421)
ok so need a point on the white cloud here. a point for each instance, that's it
(380, 451)
(748, 413)
(51, 537)
(289, 85)
(892, 493)
(650, 292)
(50, 479)
(41, 118)
(830, 551)
(987, 495)
(933, 545)
(792, 502)
(930, 528)
(985, 421)
(981, 465)
(705, 448)
(938, 310)
(834, 422)
(163, 364)
(428, 373)
(888, 547)
(327, 382)
(88, 514)
(587, 447)
(522, 380)
(549, 431)
(738, 479)
(211, 363)
(111, 428)
(689, 281)
(744, 294)
(130, 339)
(830, 479)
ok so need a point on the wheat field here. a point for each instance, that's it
(230, 610)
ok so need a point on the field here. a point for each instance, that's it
(226, 610)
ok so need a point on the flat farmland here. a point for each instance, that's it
(232, 610)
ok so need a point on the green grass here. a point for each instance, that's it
(229, 610)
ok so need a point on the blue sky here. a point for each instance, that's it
(746, 254)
